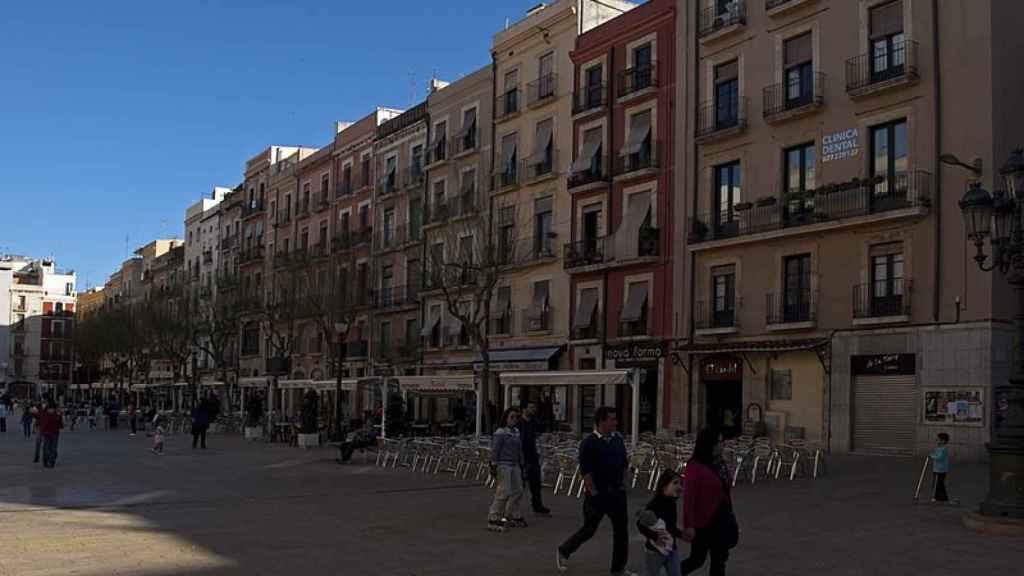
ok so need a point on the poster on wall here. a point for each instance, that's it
(954, 406)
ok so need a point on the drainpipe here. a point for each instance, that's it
(695, 187)
(937, 204)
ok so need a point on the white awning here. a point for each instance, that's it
(508, 153)
(294, 384)
(253, 382)
(543, 138)
(431, 323)
(211, 383)
(566, 378)
(636, 301)
(638, 133)
(627, 239)
(437, 383)
(585, 308)
(591, 142)
(347, 385)
(180, 384)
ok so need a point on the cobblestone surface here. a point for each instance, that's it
(112, 508)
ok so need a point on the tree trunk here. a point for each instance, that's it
(484, 394)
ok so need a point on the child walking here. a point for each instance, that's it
(940, 467)
(658, 524)
(158, 441)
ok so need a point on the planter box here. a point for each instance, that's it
(253, 433)
(309, 440)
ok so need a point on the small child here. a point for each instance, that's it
(658, 523)
(940, 467)
(158, 441)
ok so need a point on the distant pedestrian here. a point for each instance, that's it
(50, 423)
(158, 440)
(603, 462)
(5, 411)
(92, 416)
(200, 423)
(26, 419)
(133, 419)
(940, 467)
(37, 414)
(659, 525)
(529, 429)
(708, 520)
(506, 468)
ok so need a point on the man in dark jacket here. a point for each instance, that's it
(200, 422)
(529, 429)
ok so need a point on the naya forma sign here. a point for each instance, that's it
(840, 145)
(636, 354)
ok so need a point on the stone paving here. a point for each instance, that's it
(113, 508)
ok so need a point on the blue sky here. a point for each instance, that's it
(116, 115)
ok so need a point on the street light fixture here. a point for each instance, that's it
(999, 217)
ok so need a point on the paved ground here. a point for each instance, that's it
(112, 508)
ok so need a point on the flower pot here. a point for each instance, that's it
(769, 201)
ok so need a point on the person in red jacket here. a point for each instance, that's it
(708, 521)
(50, 423)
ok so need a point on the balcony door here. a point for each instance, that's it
(542, 226)
(728, 187)
(799, 174)
(591, 227)
(889, 163)
(727, 95)
(887, 284)
(723, 288)
(799, 70)
(642, 61)
(888, 42)
(796, 303)
(595, 79)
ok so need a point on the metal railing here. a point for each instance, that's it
(251, 253)
(506, 178)
(714, 116)
(507, 104)
(636, 328)
(397, 296)
(721, 16)
(345, 189)
(829, 203)
(589, 98)
(465, 142)
(319, 250)
(541, 89)
(414, 176)
(711, 315)
(586, 252)
(357, 349)
(438, 150)
(526, 251)
(397, 236)
(284, 216)
(882, 298)
(592, 332)
(644, 159)
(536, 320)
(791, 307)
(540, 166)
(388, 184)
(597, 172)
(255, 207)
(501, 325)
(786, 96)
(638, 78)
(228, 242)
(868, 71)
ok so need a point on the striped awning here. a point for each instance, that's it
(566, 378)
(437, 383)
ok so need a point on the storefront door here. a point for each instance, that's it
(722, 377)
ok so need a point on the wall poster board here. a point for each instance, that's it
(954, 406)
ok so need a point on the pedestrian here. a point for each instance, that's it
(26, 419)
(92, 416)
(132, 419)
(506, 468)
(602, 463)
(529, 428)
(158, 439)
(200, 422)
(37, 414)
(659, 525)
(940, 467)
(50, 423)
(709, 524)
(5, 410)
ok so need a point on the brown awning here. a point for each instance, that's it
(636, 301)
(639, 130)
(585, 308)
(784, 345)
(592, 140)
(887, 19)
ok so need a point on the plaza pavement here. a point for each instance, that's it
(113, 508)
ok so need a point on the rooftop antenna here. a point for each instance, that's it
(412, 88)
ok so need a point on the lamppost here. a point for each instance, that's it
(340, 330)
(999, 218)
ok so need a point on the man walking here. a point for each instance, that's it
(603, 465)
(5, 410)
(528, 430)
(50, 423)
(200, 422)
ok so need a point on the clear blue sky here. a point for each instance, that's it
(116, 115)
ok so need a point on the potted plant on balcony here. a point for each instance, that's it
(743, 206)
(766, 201)
(309, 435)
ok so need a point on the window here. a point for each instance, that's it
(633, 318)
(590, 159)
(390, 174)
(590, 229)
(468, 188)
(439, 145)
(468, 135)
(727, 95)
(385, 336)
(781, 384)
(435, 326)
(58, 329)
(642, 74)
(595, 87)
(543, 220)
(543, 160)
(796, 305)
(415, 218)
(387, 279)
(585, 324)
(889, 160)
(325, 183)
(798, 54)
(887, 280)
(546, 76)
(411, 330)
(416, 164)
(637, 152)
(538, 314)
(728, 193)
(723, 290)
(365, 169)
(344, 224)
(364, 217)
(413, 277)
(888, 42)
(346, 179)
(510, 104)
(305, 197)
(389, 227)
(503, 311)
(509, 160)
(799, 177)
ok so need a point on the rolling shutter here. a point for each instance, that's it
(884, 415)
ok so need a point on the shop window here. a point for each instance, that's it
(781, 384)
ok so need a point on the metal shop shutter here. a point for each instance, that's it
(884, 415)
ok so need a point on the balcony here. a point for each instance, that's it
(345, 189)
(437, 152)
(387, 185)
(791, 310)
(283, 217)
(829, 204)
(871, 74)
(540, 166)
(587, 252)
(596, 173)
(527, 251)
(537, 320)
(589, 99)
(302, 208)
(250, 303)
(253, 208)
(398, 296)
(507, 105)
(789, 100)
(228, 242)
(637, 329)
(397, 236)
(712, 317)
(357, 349)
(347, 240)
(501, 325)
(58, 314)
(507, 178)
(319, 250)
(642, 162)
(207, 256)
(227, 281)
(636, 81)
(882, 301)
(718, 120)
(592, 332)
(414, 176)
(541, 91)
(321, 201)
(252, 253)
(721, 19)
(465, 143)
(283, 259)
(603, 251)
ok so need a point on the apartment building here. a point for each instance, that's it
(389, 283)
(165, 280)
(621, 188)
(532, 210)
(831, 294)
(88, 302)
(226, 278)
(149, 254)
(37, 304)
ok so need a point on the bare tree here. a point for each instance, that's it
(215, 331)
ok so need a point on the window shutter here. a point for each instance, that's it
(727, 71)
(887, 19)
(798, 50)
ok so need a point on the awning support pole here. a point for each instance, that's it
(384, 411)
(635, 381)
(479, 412)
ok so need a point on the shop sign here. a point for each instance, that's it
(721, 368)
(635, 353)
(525, 366)
(840, 145)
(884, 364)
(954, 406)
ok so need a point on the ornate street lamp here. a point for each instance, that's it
(999, 217)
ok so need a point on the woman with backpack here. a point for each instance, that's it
(708, 520)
